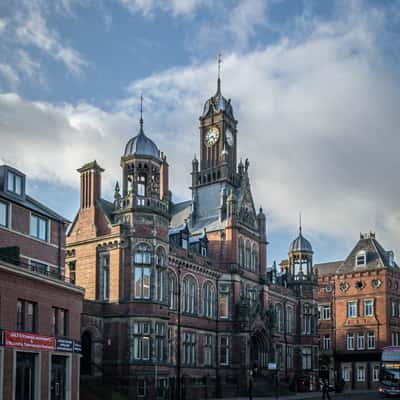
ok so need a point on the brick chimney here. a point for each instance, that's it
(90, 184)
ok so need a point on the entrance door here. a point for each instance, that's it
(58, 377)
(25, 376)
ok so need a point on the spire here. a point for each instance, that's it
(141, 113)
(300, 222)
(219, 72)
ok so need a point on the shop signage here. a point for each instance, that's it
(29, 341)
(64, 345)
(77, 347)
(272, 366)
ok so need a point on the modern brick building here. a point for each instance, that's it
(178, 296)
(39, 311)
(359, 313)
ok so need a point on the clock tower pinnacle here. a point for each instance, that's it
(218, 140)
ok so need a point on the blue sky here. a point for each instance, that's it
(314, 85)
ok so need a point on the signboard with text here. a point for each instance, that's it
(64, 345)
(77, 347)
(29, 341)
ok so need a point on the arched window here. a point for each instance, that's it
(361, 258)
(248, 254)
(189, 295)
(254, 258)
(279, 317)
(142, 273)
(172, 290)
(142, 254)
(141, 185)
(161, 258)
(208, 298)
(241, 252)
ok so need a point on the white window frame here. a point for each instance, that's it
(224, 350)
(368, 306)
(350, 341)
(361, 259)
(346, 373)
(394, 308)
(143, 273)
(325, 312)
(360, 373)
(326, 343)
(360, 341)
(207, 350)
(141, 340)
(371, 342)
(352, 307)
(306, 358)
(7, 214)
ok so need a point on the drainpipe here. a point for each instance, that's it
(178, 352)
(217, 383)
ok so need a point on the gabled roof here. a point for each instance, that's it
(376, 256)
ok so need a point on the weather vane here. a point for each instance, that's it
(219, 64)
(141, 110)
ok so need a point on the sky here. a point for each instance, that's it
(314, 85)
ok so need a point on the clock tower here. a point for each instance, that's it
(215, 174)
(218, 143)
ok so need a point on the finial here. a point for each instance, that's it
(300, 222)
(219, 72)
(141, 112)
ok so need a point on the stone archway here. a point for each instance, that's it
(86, 360)
(92, 352)
(259, 350)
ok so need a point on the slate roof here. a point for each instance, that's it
(141, 145)
(328, 268)
(377, 256)
(27, 201)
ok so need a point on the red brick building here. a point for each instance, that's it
(178, 296)
(39, 310)
(359, 313)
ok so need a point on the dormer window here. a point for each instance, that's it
(14, 183)
(361, 259)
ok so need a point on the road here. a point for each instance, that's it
(364, 395)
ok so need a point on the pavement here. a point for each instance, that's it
(363, 394)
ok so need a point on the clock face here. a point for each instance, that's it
(212, 136)
(229, 137)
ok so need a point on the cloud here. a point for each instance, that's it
(175, 7)
(32, 29)
(317, 115)
(9, 75)
(3, 24)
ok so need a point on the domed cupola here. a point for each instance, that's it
(141, 145)
(300, 244)
(218, 103)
